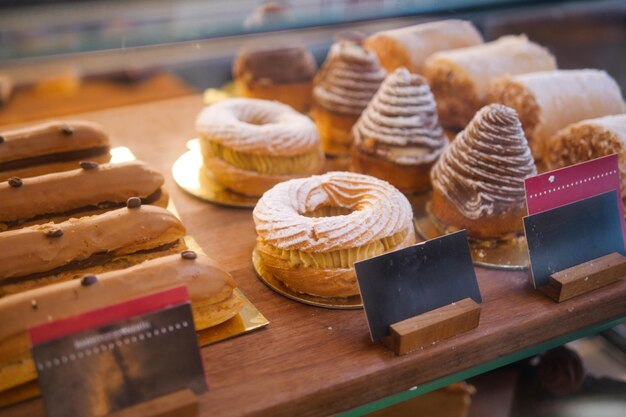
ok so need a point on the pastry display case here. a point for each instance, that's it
(184, 86)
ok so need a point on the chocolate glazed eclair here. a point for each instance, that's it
(51, 147)
(44, 254)
(90, 189)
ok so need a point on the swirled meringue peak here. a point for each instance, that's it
(400, 124)
(348, 79)
(482, 172)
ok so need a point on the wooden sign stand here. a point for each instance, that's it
(585, 277)
(441, 323)
(181, 403)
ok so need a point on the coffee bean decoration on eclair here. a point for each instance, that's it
(133, 202)
(34, 305)
(88, 165)
(88, 280)
(2, 139)
(67, 130)
(15, 182)
(189, 255)
(54, 233)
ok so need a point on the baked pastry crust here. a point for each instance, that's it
(549, 101)
(34, 256)
(282, 73)
(296, 95)
(253, 138)
(210, 291)
(586, 140)
(78, 192)
(311, 231)
(460, 78)
(410, 46)
(51, 147)
(406, 178)
(335, 130)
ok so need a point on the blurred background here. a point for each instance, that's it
(65, 57)
(177, 46)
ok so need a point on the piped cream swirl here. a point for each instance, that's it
(400, 123)
(378, 210)
(482, 172)
(258, 126)
(348, 79)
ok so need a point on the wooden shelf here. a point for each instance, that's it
(313, 361)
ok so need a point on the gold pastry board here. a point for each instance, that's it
(506, 254)
(248, 319)
(189, 175)
(339, 303)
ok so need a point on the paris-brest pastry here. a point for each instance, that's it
(249, 145)
(398, 137)
(478, 182)
(312, 230)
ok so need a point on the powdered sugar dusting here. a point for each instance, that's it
(260, 126)
(378, 210)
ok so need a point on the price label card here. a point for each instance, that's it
(574, 183)
(414, 280)
(121, 355)
(573, 234)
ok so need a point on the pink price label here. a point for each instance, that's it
(574, 183)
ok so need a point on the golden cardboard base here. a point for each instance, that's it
(190, 176)
(338, 303)
(510, 254)
(248, 319)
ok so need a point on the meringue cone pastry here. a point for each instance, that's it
(398, 137)
(312, 230)
(478, 183)
(342, 89)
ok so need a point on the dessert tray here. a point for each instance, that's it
(509, 254)
(190, 176)
(247, 320)
(339, 303)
